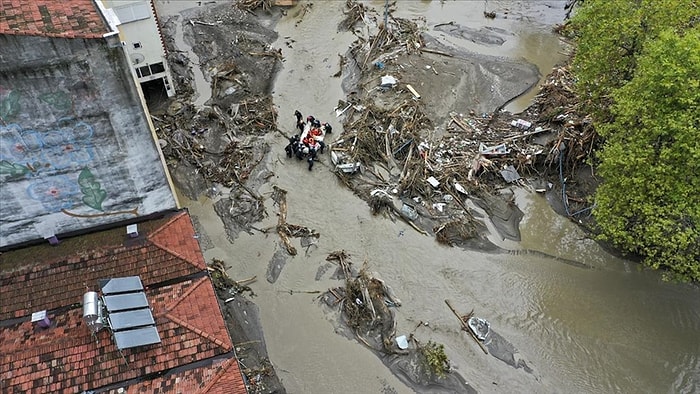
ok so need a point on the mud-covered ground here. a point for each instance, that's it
(220, 147)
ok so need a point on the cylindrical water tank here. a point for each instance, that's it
(91, 311)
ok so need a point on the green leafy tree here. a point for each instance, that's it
(649, 202)
(637, 66)
(610, 37)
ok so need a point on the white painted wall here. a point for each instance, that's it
(139, 33)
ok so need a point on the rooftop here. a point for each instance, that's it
(52, 18)
(195, 354)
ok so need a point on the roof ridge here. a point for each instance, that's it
(170, 315)
(153, 238)
(199, 332)
(184, 295)
(165, 225)
(223, 368)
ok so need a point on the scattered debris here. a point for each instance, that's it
(463, 321)
(355, 13)
(217, 270)
(413, 91)
(479, 327)
(286, 230)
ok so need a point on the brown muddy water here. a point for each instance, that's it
(583, 320)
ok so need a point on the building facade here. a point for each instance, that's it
(141, 37)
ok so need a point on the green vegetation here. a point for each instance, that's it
(638, 70)
(435, 358)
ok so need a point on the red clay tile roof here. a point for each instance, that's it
(169, 252)
(223, 377)
(195, 350)
(52, 18)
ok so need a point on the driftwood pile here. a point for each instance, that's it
(355, 13)
(403, 156)
(223, 282)
(250, 5)
(196, 137)
(364, 302)
(286, 230)
(559, 107)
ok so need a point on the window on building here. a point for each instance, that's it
(143, 71)
(157, 68)
(137, 45)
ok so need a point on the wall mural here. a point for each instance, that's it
(9, 103)
(55, 161)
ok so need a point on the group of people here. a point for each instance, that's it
(309, 142)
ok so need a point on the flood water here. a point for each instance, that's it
(598, 326)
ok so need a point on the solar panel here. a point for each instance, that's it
(121, 285)
(138, 337)
(121, 302)
(131, 319)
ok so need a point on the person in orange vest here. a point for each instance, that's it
(309, 140)
(313, 146)
(317, 134)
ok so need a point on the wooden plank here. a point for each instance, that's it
(413, 91)
(466, 328)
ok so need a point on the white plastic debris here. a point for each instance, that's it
(433, 182)
(379, 192)
(460, 188)
(388, 81)
(402, 342)
(334, 158)
(521, 124)
(409, 211)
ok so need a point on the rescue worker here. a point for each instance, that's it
(310, 120)
(327, 128)
(293, 146)
(313, 146)
(300, 122)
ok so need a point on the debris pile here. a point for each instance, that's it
(249, 5)
(355, 13)
(286, 230)
(364, 301)
(366, 305)
(223, 147)
(223, 282)
(401, 164)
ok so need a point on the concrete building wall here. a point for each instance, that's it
(76, 149)
(139, 32)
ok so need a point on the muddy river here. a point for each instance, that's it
(580, 318)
